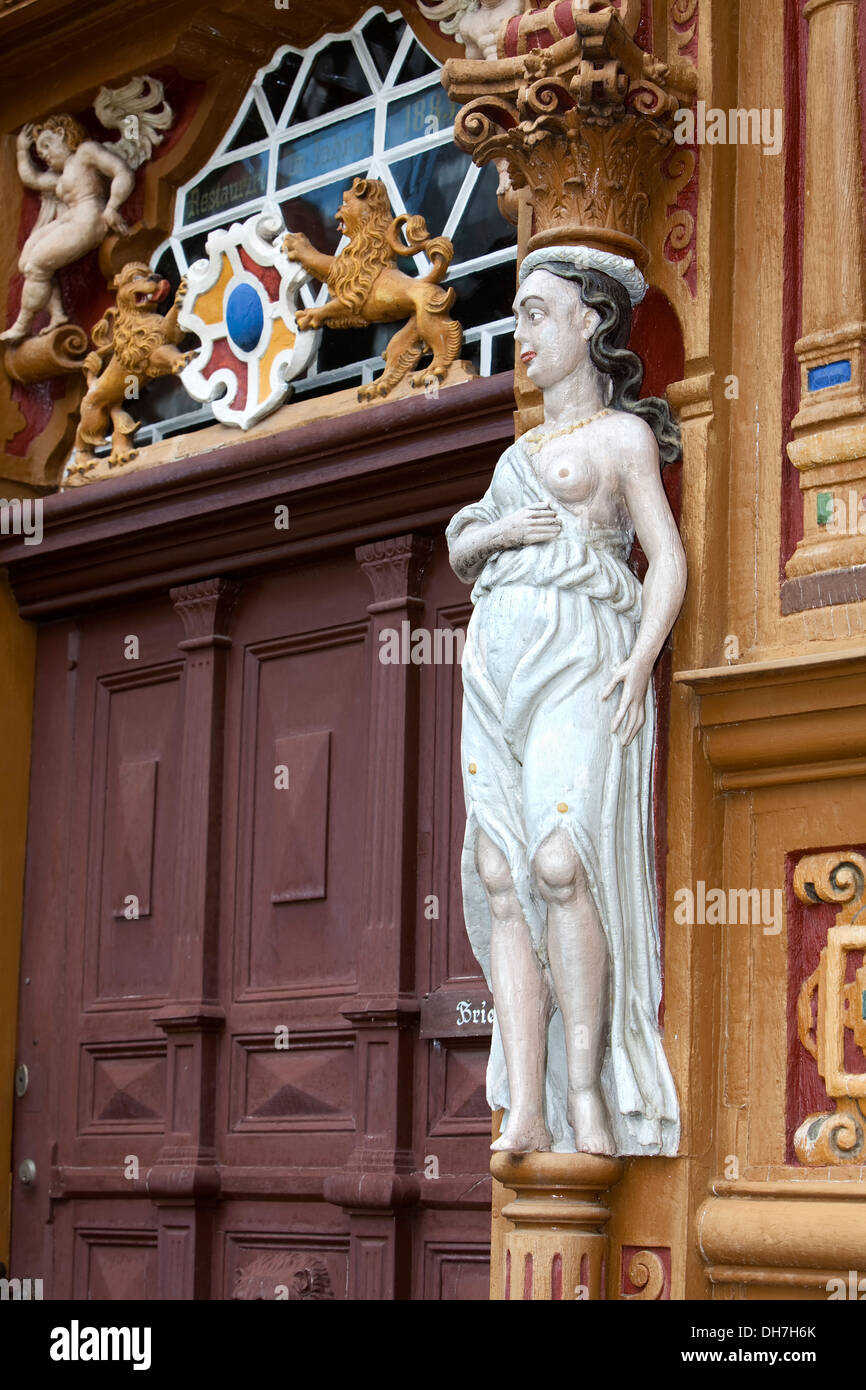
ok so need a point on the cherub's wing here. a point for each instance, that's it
(141, 114)
(447, 13)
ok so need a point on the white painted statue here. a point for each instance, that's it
(474, 23)
(83, 184)
(558, 725)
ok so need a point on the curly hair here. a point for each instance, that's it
(610, 355)
(67, 126)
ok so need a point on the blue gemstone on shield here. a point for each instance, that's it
(245, 317)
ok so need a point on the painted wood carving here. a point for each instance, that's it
(558, 725)
(366, 286)
(82, 184)
(242, 301)
(133, 344)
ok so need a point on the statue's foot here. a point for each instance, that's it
(523, 1137)
(15, 334)
(54, 322)
(588, 1117)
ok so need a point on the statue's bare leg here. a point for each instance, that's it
(36, 295)
(522, 1002)
(579, 964)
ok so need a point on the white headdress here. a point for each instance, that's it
(565, 259)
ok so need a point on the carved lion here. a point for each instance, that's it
(366, 286)
(286, 1274)
(133, 344)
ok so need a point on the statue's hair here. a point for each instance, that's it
(609, 353)
(72, 130)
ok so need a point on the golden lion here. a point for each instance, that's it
(367, 287)
(140, 345)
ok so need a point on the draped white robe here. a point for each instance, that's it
(551, 622)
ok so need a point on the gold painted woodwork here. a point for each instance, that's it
(133, 345)
(558, 1212)
(838, 1136)
(831, 418)
(366, 287)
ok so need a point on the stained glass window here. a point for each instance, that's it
(367, 103)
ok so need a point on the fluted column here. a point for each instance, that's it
(557, 1247)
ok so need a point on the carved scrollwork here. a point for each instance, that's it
(829, 1003)
(830, 879)
(646, 1274)
(684, 18)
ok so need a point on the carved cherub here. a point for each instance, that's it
(475, 23)
(366, 286)
(83, 185)
(133, 342)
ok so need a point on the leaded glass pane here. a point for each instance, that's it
(277, 85)
(250, 131)
(313, 214)
(429, 182)
(482, 227)
(434, 181)
(417, 63)
(228, 187)
(337, 79)
(422, 113)
(486, 295)
(332, 147)
(382, 37)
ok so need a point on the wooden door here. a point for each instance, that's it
(245, 977)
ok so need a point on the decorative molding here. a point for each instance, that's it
(395, 568)
(771, 723)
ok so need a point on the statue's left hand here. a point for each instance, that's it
(629, 718)
(115, 222)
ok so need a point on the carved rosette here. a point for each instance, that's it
(830, 1003)
(583, 126)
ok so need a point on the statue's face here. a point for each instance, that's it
(51, 147)
(554, 327)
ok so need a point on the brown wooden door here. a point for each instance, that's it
(244, 958)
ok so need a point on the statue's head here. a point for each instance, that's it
(554, 327)
(56, 138)
(574, 304)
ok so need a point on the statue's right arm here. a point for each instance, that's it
(473, 546)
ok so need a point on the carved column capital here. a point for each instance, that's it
(394, 568)
(204, 609)
(582, 126)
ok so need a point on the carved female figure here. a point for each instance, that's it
(558, 725)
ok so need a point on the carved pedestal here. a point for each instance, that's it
(558, 1247)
